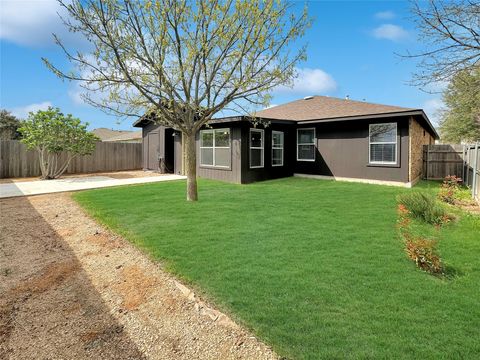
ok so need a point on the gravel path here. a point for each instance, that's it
(69, 289)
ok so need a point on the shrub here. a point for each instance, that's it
(450, 187)
(452, 181)
(447, 195)
(425, 255)
(425, 207)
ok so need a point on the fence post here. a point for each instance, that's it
(475, 169)
(428, 157)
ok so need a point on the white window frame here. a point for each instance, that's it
(261, 131)
(314, 144)
(383, 143)
(216, 147)
(278, 147)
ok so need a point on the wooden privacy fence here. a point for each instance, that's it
(460, 160)
(17, 161)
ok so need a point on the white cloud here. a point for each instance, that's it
(385, 15)
(390, 32)
(22, 111)
(433, 108)
(32, 22)
(311, 81)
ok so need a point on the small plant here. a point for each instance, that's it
(452, 181)
(425, 207)
(424, 253)
(447, 195)
(450, 186)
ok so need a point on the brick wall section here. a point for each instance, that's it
(418, 137)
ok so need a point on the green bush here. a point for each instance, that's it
(425, 207)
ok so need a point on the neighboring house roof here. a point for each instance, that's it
(325, 107)
(130, 136)
(116, 135)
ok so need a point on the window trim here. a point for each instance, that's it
(314, 144)
(383, 143)
(261, 131)
(281, 147)
(215, 147)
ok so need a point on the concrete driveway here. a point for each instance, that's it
(36, 187)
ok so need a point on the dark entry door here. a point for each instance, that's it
(153, 148)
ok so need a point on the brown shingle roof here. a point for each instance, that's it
(324, 107)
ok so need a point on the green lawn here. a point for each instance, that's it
(314, 267)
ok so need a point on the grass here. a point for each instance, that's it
(315, 268)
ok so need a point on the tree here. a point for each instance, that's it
(188, 60)
(451, 32)
(461, 120)
(58, 138)
(9, 125)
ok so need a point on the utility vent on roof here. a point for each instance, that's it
(308, 97)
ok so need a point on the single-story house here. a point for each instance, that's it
(316, 136)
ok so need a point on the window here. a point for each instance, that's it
(306, 144)
(215, 148)
(383, 143)
(277, 148)
(256, 148)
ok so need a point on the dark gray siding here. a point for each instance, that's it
(234, 173)
(342, 150)
(268, 171)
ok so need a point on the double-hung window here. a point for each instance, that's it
(256, 148)
(277, 148)
(383, 143)
(306, 144)
(215, 148)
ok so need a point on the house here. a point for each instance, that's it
(316, 136)
(110, 135)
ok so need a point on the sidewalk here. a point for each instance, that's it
(26, 188)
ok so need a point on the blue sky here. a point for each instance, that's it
(351, 51)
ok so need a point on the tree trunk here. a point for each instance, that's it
(190, 166)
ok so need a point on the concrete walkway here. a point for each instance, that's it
(26, 188)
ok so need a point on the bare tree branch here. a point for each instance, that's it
(450, 30)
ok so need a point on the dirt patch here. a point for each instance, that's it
(53, 275)
(47, 301)
(135, 287)
(69, 288)
(105, 241)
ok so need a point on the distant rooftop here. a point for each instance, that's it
(117, 135)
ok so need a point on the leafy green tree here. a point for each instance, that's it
(461, 120)
(58, 138)
(187, 60)
(9, 125)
